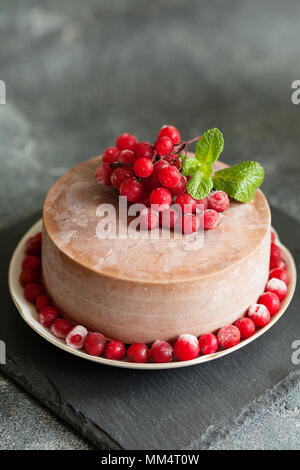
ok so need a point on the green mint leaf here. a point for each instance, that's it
(190, 166)
(241, 181)
(209, 146)
(200, 184)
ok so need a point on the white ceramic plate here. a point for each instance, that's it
(28, 313)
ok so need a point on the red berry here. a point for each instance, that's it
(41, 302)
(31, 262)
(163, 146)
(47, 316)
(186, 202)
(229, 336)
(158, 167)
(103, 174)
(210, 219)
(144, 199)
(30, 276)
(126, 157)
(161, 351)
(246, 327)
(259, 314)
(132, 189)
(273, 237)
(32, 292)
(173, 160)
(186, 347)
(126, 142)
(121, 174)
(114, 350)
(144, 150)
(110, 155)
(189, 223)
(33, 245)
(279, 273)
(278, 287)
(218, 201)
(169, 218)
(149, 219)
(275, 251)
(143, 167)
(171, 132)
(76, 337)
(180, 186)
(138, 352)
(208, 344)
(271, 301)
(94, 344)
(161, 197)
(169, 176)
(202, 204)
(60, 328)
(276, 262)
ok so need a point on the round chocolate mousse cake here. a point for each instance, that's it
(142, 289)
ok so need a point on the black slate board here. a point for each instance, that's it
(171, 409)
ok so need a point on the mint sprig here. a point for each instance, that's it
(209, 146)
(200, 184)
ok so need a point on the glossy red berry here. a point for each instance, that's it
(173, 160)
(275, 251)
(143, 167)
(246, 327)
(186, 202)
(138, 352)
(218, 201)
(208, 344)
(169, 218)
(279, 273)
(210, 219)
(180, 186)
(126, 157)
(229, 336)
(94, 344)
(126, 142)
(33, 245)
(271, 301)
(163, 146)
(114, 350)
(278, 287)
(30, 276)
(47, 316)
(186, 347)
(76, 337)
(32, 292)
(171, 132)
(149, 219)
(41, 302)
(160, 197)
(169, 176)
(60, 328)
(110, 155)
(132, 189)
(144, 150)
(276, 262)
(161, 351)
(31, 262)
(259, 314)
(190, 223)
(103, 174)
(121, 174)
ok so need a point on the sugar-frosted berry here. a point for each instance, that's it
(132, 189)
(114, 350)
(171, 132)
(246, 327)
(32, 292)
(163, 146)
(276, 262)
(31, 262)
(138, 352)
(278, 287)
(169, 176)
(208, 344)
(103, 174)
(218, 201)
(186, 347)
(187, 203)
(126, 142)
(41, 302)
(76, 337)
(259, 314)
(189, 223)
(143, 167)
(271, 301)
(94, 344)
(60, 328)
(180, 186)
(202, 204)
(47, 316)
(33, 245)
(30, 276)
(229, 336)
(161, 198)
(144, 150)
(279, 273)
(121, 174)
(169, 218)
(161, 351)
(149, 219)
(210, 219)
(275, 251)
(110, 155)
(126, 157)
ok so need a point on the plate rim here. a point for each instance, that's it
(28, 313)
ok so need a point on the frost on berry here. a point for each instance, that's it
(76, 337)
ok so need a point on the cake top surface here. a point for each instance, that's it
(72, 215)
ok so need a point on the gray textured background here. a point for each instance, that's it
(79, 73)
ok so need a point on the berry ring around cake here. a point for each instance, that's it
(151, 256)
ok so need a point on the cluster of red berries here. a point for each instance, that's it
(150, 175)
(186, 347)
